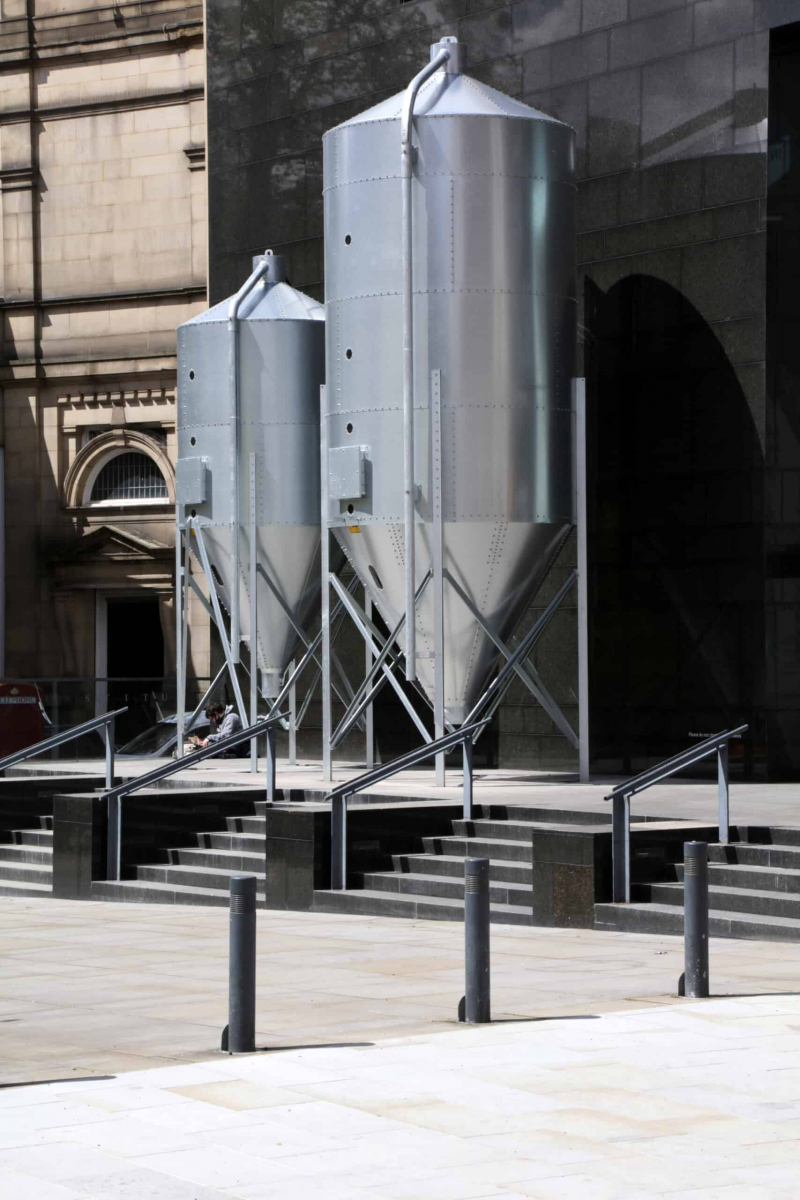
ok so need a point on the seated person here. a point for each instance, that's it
(225, 721)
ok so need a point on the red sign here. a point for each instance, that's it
(21, 720)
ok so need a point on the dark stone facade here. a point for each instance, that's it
(685, 332)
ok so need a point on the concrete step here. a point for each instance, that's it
(140, 891)
(776, 879)
(548, 816)
(733, 899)
(12, 852)
(14, 822)
(386, 904)
(746, 854)
(32, 837)
(226, 860)
(668, 919)
(247, 825)
(24, 872)
(441, 885)
(514, 830)
(778, 835)
(507, 850)
(217, 878)
(232, 841)
(21, 888)
(452, 865)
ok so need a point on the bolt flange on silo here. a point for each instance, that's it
(447, 420)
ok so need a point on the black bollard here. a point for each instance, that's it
(695, 919)
(241, 1031)
(477, 1006)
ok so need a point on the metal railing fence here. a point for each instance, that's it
(339, 796)
(114, 795)
(621, 800)
(104, 722)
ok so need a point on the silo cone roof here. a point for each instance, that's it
(278, 302)
(446, 95)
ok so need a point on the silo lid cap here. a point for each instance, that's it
(450, 95)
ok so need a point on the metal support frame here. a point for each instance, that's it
(253, 614)
(438, 568)
(621, 802)
(340, 795)
(583, 579)
(214, 610)
(115, 795)
(382, 656)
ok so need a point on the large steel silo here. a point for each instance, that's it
(492, 212)
(249, 376)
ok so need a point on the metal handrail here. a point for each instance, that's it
(114, 795)
(621, 800)
(104, 722)
(339, 795)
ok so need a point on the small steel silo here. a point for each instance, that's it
(483, 197)
(249, 376)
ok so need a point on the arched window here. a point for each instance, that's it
(130, 477)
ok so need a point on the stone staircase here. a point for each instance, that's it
(753, 889)
(26, 857)
(200, 872)
(430, 884)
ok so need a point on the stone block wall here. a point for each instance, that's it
(103, 249)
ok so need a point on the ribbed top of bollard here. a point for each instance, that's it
(475, 866)
(243, 893)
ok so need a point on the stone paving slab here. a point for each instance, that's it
(691, 1101)
(91, 989)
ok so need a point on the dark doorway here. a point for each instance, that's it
(675, 534)
(135, 662)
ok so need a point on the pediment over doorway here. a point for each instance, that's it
(114, 542)
(113, 557)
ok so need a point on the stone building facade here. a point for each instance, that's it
(687, 124)
(103, 250)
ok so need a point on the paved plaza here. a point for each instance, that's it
(594, 1081)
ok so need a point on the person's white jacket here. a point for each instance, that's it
(230, 723)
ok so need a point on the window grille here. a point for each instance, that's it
(130, 476)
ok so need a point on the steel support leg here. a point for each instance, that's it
(180, 681)
(695, 919)
(241, 1029)
(477, 992)
(338, 843)
(583, 582)
(327, 714)
(292, 716)
(724, 799)
(253, 615)
(621, 849)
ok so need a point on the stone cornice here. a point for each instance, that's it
(110, 397)
(128, 103)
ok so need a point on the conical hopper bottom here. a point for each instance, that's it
(499, 566)
(289, 556)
